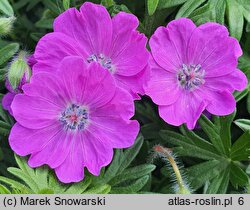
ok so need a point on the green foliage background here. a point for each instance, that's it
(213, 159)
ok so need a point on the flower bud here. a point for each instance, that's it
(19, 71)
(6, 24)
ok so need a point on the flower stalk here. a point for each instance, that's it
(166, 153)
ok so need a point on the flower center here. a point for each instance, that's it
(190, 77)
(74, 117)
(104, 61)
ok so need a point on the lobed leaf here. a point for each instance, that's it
(6, 8)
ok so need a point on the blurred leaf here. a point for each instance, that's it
(200, 173)
(152, 5)
(211, 11)
(6, 8)
(53, 6)
(7, 52)
(248, 103)
(36, 36)
(238, 177)
(219, 184)
(4, 190)
(235, 19)
(79, 187)
(241, 148)
(66, 4)
(187, 147)
(130, 154)
(32, 4)
(164, 4)
(238, 95)
(45, 23)
(225, 132)
(4, 128)
(131, 187)
(244, 124)
(133, 173)
(188, 8)
(103, 189)
(108, 3)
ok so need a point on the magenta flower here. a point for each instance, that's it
(72, 119)
(96, 37)
(193, 69)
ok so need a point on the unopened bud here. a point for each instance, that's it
(6, 25)
(19, 71)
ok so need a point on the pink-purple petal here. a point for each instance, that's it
(221, 103)
(25, 141)
(72, 169)
(54, 152)
(97, 152)
(52, 48)
(7, 101)
(98, 27)
(187, 109)
(34, 113)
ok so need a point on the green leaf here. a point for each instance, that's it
(213, 11)
(7, 52)
(163, 4)
(104, 189)
(130, 154)
(244, 124)
(15, 185)
(238, 95)
(52, 6)
(4, 190)
(133, 173)
(46, 191)
(212, 132)
(225, 131)
(4, 115)
(32, 4)
(108, 3)
(200, 173)
(241, 148)
(248, 103)
(36, 36)
(235, 19)
(132, 187)
(45, 23)
(220, 9)
(188, 148)
(188, 8)
(80, 187)
(219, 184)
(197, 140)
(25, 177)
(6, 8)
(152, 6)
(4, 128)
(39, 178)
(66, 4)
(238, 177)
(3, 73)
